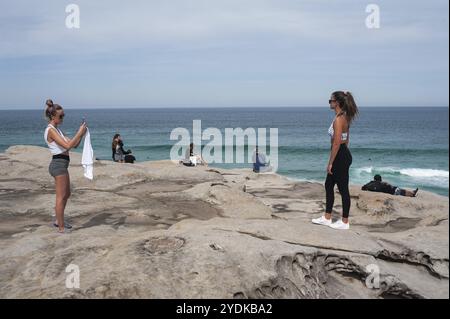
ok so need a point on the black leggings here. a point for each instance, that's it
(340, 169)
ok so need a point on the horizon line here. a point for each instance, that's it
(206, 107)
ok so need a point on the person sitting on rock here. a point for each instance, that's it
(118, 153)
(377, 185)
(258, 160)
(192, 159)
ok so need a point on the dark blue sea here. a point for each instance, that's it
(407, 146)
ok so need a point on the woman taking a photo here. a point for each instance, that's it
(59, 146)
(340, 159)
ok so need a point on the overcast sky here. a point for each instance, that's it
(199, 53)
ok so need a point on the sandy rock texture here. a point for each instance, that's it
(163, 230)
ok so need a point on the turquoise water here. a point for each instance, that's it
(407, 146)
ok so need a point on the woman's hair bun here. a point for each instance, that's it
(49, 103)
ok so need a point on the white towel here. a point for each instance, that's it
(193, 160)
(87, 160)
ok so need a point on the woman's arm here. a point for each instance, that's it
(337, 140)
(69, 139)
(79, 141)
(123, 151)
(67, 144)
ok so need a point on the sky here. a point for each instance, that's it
(223, 53)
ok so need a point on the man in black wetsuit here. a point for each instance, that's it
(378, 186)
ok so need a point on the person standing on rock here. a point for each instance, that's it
(59, 146)
(340, 159)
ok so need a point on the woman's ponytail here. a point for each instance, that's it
(350, 107)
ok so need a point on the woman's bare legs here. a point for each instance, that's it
(67, 193)
(62, 185)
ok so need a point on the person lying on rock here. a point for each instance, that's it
(377, 185)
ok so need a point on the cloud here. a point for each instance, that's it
(107, 26)
(227, 52)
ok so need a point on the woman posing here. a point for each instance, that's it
(340, 159)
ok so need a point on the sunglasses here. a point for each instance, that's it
(329, 101)
(61, 116)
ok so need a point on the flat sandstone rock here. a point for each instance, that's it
(163, 230)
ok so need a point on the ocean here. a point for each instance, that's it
(407, 146)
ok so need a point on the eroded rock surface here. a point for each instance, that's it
(162, 230)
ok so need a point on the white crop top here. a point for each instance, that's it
(344, 136)
(55, 149)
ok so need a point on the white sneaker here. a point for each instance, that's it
(340, 225)
(322, 221)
